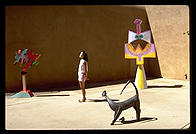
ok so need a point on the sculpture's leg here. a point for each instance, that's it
(117, 114)
(138, 110)
(140, 80)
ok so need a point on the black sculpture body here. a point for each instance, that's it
(118, 107)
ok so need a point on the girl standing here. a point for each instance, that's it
(83, 73)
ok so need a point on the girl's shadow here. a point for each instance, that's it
(143, 119)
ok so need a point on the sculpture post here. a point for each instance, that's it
(139, 53)
(24, 85)
(140, 80)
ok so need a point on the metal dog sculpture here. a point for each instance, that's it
(120, 106)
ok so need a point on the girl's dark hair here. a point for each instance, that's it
(85, 56)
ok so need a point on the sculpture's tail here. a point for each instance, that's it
(136, 90)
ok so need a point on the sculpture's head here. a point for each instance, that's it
(104, 93)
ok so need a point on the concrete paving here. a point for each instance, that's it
(165, 104)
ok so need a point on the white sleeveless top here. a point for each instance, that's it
(81, 68)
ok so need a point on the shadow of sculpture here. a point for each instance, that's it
(175, 86)
(143, 120)
(52, 95)
(100, 100)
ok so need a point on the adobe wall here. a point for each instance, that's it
(168, 24)
(59, 33)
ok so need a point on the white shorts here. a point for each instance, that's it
(81, 77)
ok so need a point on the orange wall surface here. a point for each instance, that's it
(59, 33)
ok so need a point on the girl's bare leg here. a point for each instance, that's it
(82, 86)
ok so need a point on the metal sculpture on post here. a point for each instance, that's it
(139, 54)
(25, 58)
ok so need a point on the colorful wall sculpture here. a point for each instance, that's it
(25, 58)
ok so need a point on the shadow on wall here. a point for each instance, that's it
(152, 65)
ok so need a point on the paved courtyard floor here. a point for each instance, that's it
(165, 104)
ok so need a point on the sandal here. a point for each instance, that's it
(81, 100)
